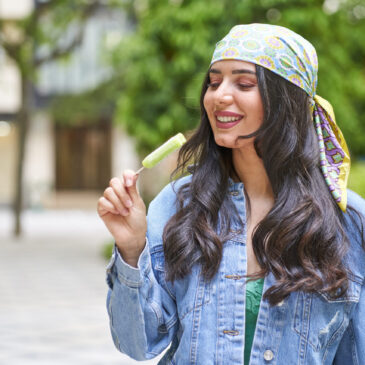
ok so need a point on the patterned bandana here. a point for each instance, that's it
(291, 56)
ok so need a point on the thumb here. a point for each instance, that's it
(130, 182)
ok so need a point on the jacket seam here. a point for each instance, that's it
(155, 250)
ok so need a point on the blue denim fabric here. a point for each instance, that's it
(204, 321)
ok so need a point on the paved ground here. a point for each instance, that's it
(52, 292)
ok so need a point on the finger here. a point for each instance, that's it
(105, 206)
(130, 182)
(110, 195)
(121, 192)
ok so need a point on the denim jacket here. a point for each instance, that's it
(204, 322)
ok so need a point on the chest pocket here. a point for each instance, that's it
(321, 320)
(190, 293)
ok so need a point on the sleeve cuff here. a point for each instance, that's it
(127, 274)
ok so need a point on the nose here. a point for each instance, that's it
(223, 95)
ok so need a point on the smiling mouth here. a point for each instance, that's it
(227, 117)
(223, 119)
(227, 124)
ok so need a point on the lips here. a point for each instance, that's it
(226, 119)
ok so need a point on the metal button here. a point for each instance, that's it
(234, 277)
(268, 355)
(234, 192)
(235, 231)
(280, 303)
(231, 332)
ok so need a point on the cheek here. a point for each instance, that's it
(260, 112)
(207, 102)
(259, 109)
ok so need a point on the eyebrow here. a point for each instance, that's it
(234, 72)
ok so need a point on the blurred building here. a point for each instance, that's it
(65, 166)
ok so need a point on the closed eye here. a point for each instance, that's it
(245, 86)
(213, 85)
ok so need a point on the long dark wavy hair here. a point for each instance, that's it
(301, 240)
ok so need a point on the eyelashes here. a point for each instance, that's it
(246, 86)
(215, 85)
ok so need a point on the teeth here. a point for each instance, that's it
(228, 119)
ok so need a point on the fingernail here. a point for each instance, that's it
(128, 203)
(129, 182)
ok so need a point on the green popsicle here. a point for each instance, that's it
(161, 152)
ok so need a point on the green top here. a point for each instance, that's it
(253, 299)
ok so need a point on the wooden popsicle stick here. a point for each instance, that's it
(140, 170)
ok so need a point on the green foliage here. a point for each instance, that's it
(163, 62)
(86, 107)
(107, 250)
(51, 31)
(357, 178)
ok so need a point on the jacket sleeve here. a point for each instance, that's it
(142, 311)
(351, 350)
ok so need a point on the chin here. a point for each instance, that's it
(232, 142)
(225, 142)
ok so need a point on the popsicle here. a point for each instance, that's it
(163, 151)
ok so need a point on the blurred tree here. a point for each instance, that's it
(163, 63)
(51, 31)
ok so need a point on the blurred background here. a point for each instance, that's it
(87, 88)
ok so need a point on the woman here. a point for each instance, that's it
(265, 199)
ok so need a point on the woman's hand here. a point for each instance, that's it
(124, 213)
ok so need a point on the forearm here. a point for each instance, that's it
(132, 300)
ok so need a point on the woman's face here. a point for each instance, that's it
(233, 103)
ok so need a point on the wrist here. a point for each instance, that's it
(131, 256)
